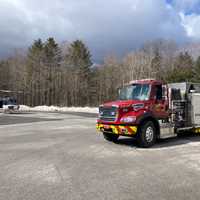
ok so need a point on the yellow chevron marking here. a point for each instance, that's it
(197, 130)
(121, 127)
(133, 128)
(114, 129)
(99, 126)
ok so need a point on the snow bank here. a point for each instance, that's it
(59, 109)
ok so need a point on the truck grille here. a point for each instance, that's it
(108, 114)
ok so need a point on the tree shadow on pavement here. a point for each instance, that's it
(12, 119)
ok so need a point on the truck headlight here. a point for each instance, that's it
(129, 119)
(138, 106)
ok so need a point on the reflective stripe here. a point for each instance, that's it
(128, 130)
(114, 129)
(123, 130)
(197, 130)
(133, 128)
(99, 126)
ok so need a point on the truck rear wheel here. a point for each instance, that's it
(147, 134)
(110, 137)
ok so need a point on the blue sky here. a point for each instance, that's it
(187, 6)
(114, 26)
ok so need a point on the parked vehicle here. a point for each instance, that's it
(9, 104)
(149, 110)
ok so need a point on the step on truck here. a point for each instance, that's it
(149, 110)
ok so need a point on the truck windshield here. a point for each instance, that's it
(135, 92)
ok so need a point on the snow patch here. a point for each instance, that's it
(59, 109)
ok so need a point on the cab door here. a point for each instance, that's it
(160, 107)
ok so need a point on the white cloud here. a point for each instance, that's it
(191, 24)
(190, 18)
(106, 26)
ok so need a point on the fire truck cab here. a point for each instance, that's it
(149, 110)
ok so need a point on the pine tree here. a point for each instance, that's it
(197, 70)
(79, 56)
(52, 52)
(183, 69)
(78, 59)
(5, 81)
(33, 79)
(53, 57)
(156, 65)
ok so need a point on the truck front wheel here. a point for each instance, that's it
(147, 134)
(110, 137)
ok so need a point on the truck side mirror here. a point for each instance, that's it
(192, 89)
(164, 92)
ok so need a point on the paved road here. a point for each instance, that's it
(60, 156)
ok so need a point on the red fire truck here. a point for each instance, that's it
(149, 110)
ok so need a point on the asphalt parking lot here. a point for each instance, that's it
(61, 156)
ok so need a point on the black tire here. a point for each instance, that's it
(110, 137)
(147, 134)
